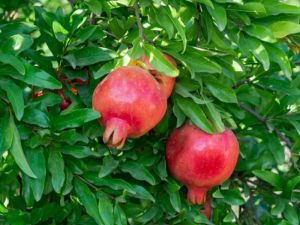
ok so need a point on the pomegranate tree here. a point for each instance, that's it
(131, 102)
(201, 160)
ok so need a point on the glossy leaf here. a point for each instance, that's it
(88, 200)
(14, 95)
(159, 62)
(74, 119)
(56, 169)
(106, 210)
(138, 171)
(195, 113)
(36, 160)
(7, 132)
(17, 152)
(89, 55)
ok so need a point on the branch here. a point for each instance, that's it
(87, 182)
(139, 22)
(269, 125)
(254, 113)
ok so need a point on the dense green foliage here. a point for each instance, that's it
(238, 64)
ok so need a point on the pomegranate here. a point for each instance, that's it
(166, 82)
(131, 102)
(201, 160)
(65, 101)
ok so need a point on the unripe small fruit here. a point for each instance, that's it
(65, 101)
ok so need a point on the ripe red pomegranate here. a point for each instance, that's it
(166, 82)
(201, 160)
(131, 102)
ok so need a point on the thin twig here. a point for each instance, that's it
(139, 22)
(269, 125)
(87, 182)
(253, 112)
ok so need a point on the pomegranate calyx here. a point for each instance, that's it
(197, 195)
(116, 132)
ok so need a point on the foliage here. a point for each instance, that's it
(238, 66)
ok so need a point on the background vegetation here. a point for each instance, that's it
(239, 65)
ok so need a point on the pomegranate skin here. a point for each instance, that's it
(166, 82)
(131, 102)
(201, 160)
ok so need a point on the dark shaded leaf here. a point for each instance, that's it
(74, 118)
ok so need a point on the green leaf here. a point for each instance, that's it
(142, 193)
(206, 2)
(215, 117)
(276, 148)
(87, 198)
(282, 29)
(103, 70)
(255, 8)
(270, 177)
(17, 152)
(221, 92)
(165, 22)
(179, 115)
(233, 197)
(13, 61)
(178, 24)
(279, 207)
(14, 95)
(74, 118)
(78, 151)
(275, 7)
(182, 90)
(195, 62)
(218, 13)
(175, 200)
(3, 209)
(89, 55)
(77, 19)
(84, 34)
(6, 132)
(109, 164)
(36, 160)
(17, 44)
(115, 184)
(94, 5)
(296, 125)
(290, 213)
(47, 99)
(36, 116)
(158, 61)
(195, 113)
(106, 210)
(138, 171)
(290, 186)
(119, 216)
(257, 49)
(278, 56)
(59, 31)
(56, 168)
(148, 215)
(261, 32)
(39, 78)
